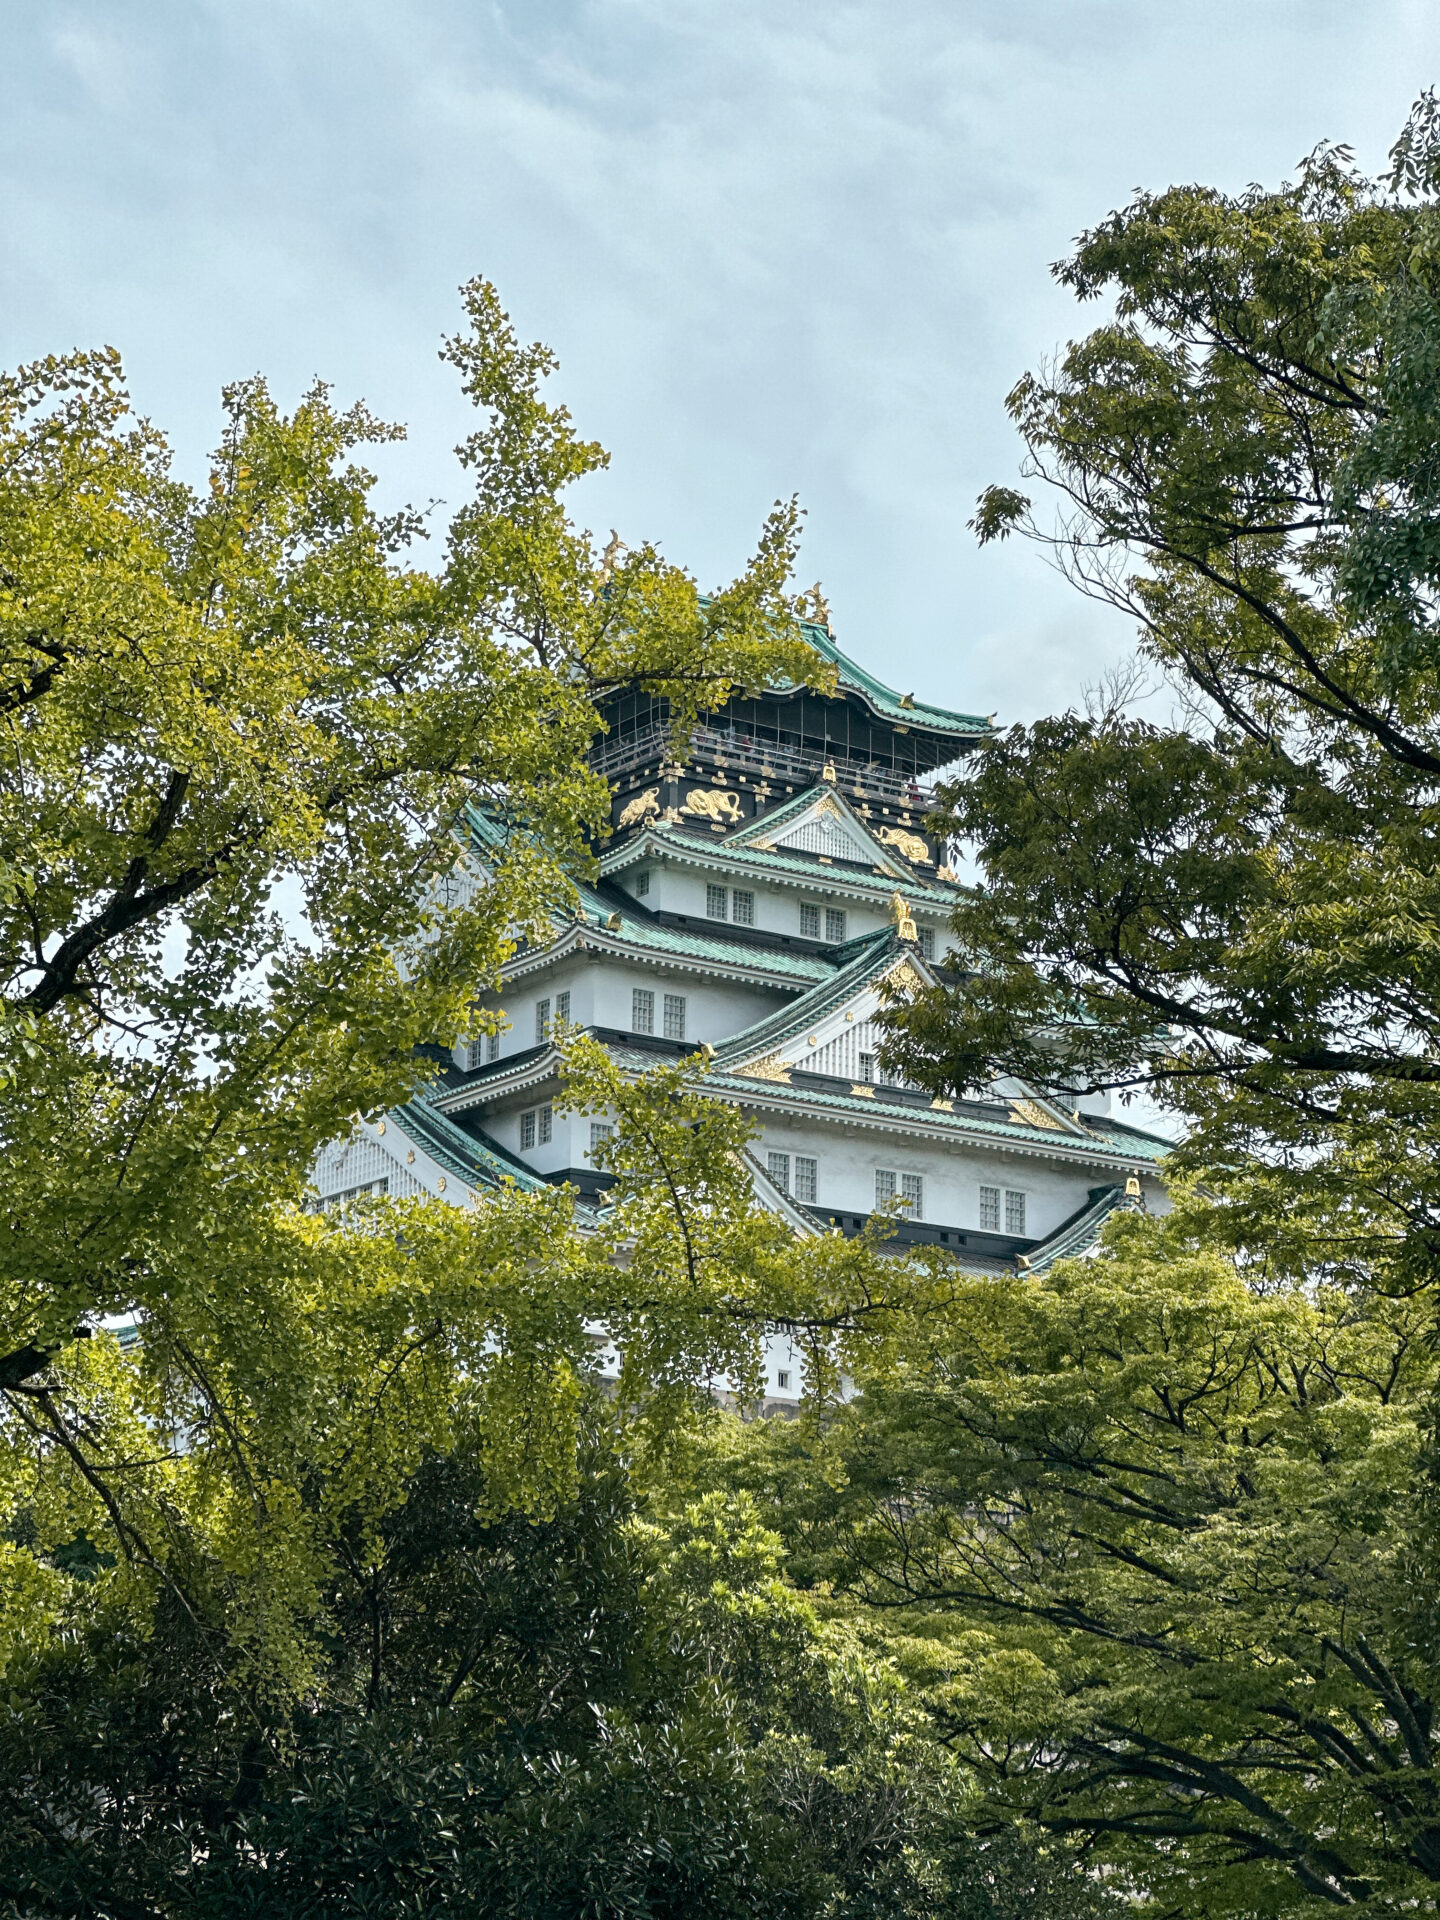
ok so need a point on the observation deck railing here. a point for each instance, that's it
(723, 748)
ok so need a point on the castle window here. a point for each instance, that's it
(907, 1187)
(527, 1130)
(642, 884)
(990, 1209)
(642, 1011)
(809, 922)
(1014, 1212)
(599, 1130)
(834, 925)
(674, 1016)
(777, 1165)
(805, 1180)
(867, 1068)
(545, 1124)
(782, 1380)
(742, 908)
(475, 1054)
(542, 1021)
(927, 943)
(715, 899)
(562, 1009)
(492, 1046)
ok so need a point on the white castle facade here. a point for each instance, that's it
(755, 899)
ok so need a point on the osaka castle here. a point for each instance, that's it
(754, 900)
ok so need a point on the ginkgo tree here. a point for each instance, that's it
(240, 723)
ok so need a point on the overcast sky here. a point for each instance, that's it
(779, 245)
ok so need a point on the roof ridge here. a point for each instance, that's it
(876, 949)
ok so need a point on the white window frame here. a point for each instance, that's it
(642, 1010)
(899, 1179)
(742, 907)
(809, 921)
(777, 1165)
(807, 1179)
(674, 1016)
(562, 1008)
(717, 901)
(835, 925)
(542, 1021)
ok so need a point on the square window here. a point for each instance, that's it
(542, 1021)
(600, 1130)
(777, 1165)
(834, 925)
(990, 1209)
(674, 1016)
(782, 1380)
(884, 1187)
(809, 922)
(642, 1010)
(867, 1068)
(715, 900)
(492, 1046)
(742, 908)
(912, 1192)
(562, 1009)
(527, 1130)
(1014, 1212)
(545, 1120)
(805, 1181)
(642, 884)
(927, 943)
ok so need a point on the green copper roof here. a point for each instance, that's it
(1129, 1146)
(455, 1150)
(663, 837)
(877, 952)
(885, 700)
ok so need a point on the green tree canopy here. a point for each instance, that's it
(1238, 907)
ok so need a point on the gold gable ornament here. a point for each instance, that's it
(904, 918)
(828, 772)
(769, 1066)
(643, 807)
(909, 845)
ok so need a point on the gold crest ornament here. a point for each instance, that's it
(909, 845)
(903, 917)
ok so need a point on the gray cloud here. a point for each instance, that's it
(779, 247)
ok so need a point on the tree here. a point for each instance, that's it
(1158, 1550)
(239, 728)
(1237, 908)
(595, 1713)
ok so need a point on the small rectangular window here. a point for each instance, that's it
(867, 1068)
(475, 1055)
(990, 1209)
(527, 1130)
(600, 1130)
(545, 1122)
(642, 1010)
(777, 1165)
(674, 1016)
(809, 922)
(1014, 1212)
(742, 908)
(912, 1192)
(642, 884)
(542, 1021)
(562, 1009)
(884, 1187)
(492, 1046)
(715, 900)
(805, 1181)
(782, 1380)
(834, 925)
(927, 943)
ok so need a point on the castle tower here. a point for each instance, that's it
(756, 897)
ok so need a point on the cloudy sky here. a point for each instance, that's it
(780, 245)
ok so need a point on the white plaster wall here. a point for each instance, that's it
(848, 1157)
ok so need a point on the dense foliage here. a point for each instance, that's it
(1237, 907)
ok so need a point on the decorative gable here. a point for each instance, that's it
(828, 827)
(843, 1041)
